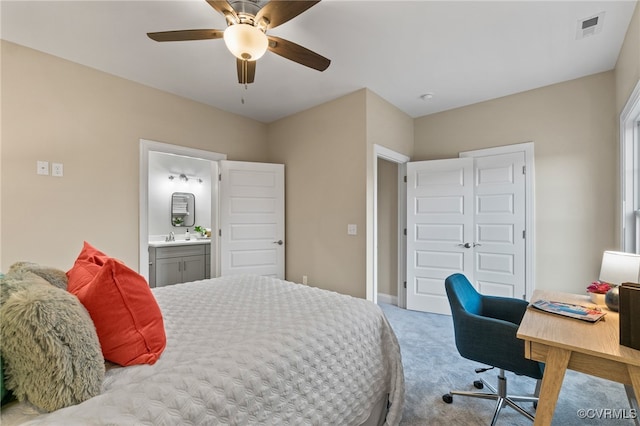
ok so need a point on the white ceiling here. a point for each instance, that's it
(461, 51)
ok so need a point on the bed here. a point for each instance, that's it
(252, 350)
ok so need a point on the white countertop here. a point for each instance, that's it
(192, 241)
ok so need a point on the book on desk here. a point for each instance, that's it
(629, 310)
(570, 310)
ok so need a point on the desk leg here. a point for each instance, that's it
(555, 367)
(634, 373)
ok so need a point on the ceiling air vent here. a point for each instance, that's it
(589, 26)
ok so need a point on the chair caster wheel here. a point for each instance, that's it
(448, 398)
(478, 384)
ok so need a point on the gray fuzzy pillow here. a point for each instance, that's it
(54, 276)
(48, 342)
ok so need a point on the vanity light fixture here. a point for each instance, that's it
(184, 178)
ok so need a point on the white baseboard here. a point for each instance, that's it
(387, 298)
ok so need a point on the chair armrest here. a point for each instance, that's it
(504, 308)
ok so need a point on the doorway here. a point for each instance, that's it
(381, 153)
(245, 198)
(387, 229)
(146, 148)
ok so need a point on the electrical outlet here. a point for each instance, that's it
(57, 169)
(42, 168)
(304, 279)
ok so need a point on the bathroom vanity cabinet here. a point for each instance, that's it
(179, 263)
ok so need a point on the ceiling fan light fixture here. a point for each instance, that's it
(245, 41)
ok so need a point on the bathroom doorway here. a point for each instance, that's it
(194, 164)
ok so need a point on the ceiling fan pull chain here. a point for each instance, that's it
(244, 78)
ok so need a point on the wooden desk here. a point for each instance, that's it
(564, 343)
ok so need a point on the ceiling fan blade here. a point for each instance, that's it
(184, 35)
(297, 53)
(224, 8)
(246, 71)
(277, 12)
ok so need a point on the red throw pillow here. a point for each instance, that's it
(87, 266)
(125, 313)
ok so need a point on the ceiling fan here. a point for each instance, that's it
(245, 35)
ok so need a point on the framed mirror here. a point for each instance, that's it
(183, 209)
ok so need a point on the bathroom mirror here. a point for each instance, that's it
(183, 209)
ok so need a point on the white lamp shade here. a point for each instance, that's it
(618, 267)
(245, 41)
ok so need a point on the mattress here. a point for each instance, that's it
(255, 350)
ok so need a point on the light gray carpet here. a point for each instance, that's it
(433, 367)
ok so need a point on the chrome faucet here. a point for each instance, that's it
(171, 237)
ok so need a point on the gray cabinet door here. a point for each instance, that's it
(193, 268)
(168, 271)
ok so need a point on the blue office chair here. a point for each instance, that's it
(485, 330)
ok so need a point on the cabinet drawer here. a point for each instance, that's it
(179, 251)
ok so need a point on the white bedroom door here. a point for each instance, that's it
(439, 229)
(252, 218)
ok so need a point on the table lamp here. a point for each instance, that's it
(617, 268)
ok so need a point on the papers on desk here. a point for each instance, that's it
(569, 310)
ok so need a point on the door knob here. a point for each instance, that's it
(279, 242)
(465, 245)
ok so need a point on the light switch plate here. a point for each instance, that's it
(57, 169)
(42, 168)
(352, 229)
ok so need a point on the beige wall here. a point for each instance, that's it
(1, 199)
(572, 125)
(627, 71)
(58, 111)
(329, 158)
(387, 125)
(323, 150)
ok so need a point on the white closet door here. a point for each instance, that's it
(499, 183)
(439, 229)
(252, 218)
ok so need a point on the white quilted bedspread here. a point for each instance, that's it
(255, 350)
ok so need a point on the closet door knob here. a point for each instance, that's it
(465, 245)
(279, 242)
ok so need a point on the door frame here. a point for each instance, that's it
(527, 148)
(628, 199)
(385, 153)
(147, 146)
